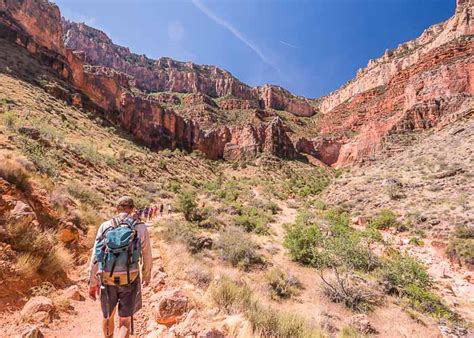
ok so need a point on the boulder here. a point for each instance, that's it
(170, 307)
(362, 323)
(73, 293)
(33, 332)
(37, 305)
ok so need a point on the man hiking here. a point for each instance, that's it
(114, 274)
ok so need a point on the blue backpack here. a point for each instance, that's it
(119, 250)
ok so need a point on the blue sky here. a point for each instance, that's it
(310, 47)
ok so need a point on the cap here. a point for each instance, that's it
(125, 202)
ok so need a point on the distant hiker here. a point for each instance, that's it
(161, 209)
(169, 208)
(115, 273)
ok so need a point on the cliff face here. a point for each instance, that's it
(165, 74)
(36, 25)
(421, 84)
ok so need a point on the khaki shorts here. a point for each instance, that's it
(128, 298)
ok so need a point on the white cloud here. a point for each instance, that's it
(288, 44)
(211, 15)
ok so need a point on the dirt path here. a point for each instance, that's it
(86, 318)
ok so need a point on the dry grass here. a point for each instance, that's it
(40, 253)
(14, 173)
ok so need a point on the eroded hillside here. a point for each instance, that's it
(264, 243)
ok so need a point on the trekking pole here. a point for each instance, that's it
(107, 307)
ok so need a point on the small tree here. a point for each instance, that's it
(187, 204)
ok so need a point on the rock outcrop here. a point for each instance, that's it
(165, 103)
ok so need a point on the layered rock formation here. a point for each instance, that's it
(115, 92)
(421, 84)
(166, 103)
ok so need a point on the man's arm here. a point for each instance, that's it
(93, 266)
(146, 253)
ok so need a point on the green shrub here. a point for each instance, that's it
(253, 219)
(44, 159)
(174, 186)
(9, 119)
(462, 249)
(89, 153)
(309, 245)
(84, 194)
(238, 249)
(311, 183)
(401, 271)
(385, 219)
(302, 238)
(266, 321)
(281, 285)
(229, 296)
(187, 204)
(405, 276)
(464, 231)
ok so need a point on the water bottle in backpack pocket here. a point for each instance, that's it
(118, 252)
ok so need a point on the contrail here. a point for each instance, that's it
(288, 44)
(210, 14)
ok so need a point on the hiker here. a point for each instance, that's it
(169, 208)
(114, 273)
(161, 209)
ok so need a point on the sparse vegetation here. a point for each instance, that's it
(84, 194)
(238, 248)
(385, 219)
(187, 204)
(281, 284)
(404, 276)
(253, 219)
(265, 320)
(40, 252)
(15, 174)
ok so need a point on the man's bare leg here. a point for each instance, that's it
(124, 327)
(110, 324)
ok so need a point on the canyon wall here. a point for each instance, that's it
(164, 103)
(36, 25)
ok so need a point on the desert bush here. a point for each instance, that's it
(45, 160)
(15, 174)
(238, 248)
(301, 239)
(9, 119)
(179, 231)
(186, 202)
(229, 191)
(385, 219)
(84, 194)
(88, 152)
(229, 296)
(200, 275)
(464, 231)
(282, 285)
(461, 249)
(266, 321)
(350, 290)
(337, 246)
(253, 219)
(40, 252)
(405, 276)
(309, 184)
(174, 186)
